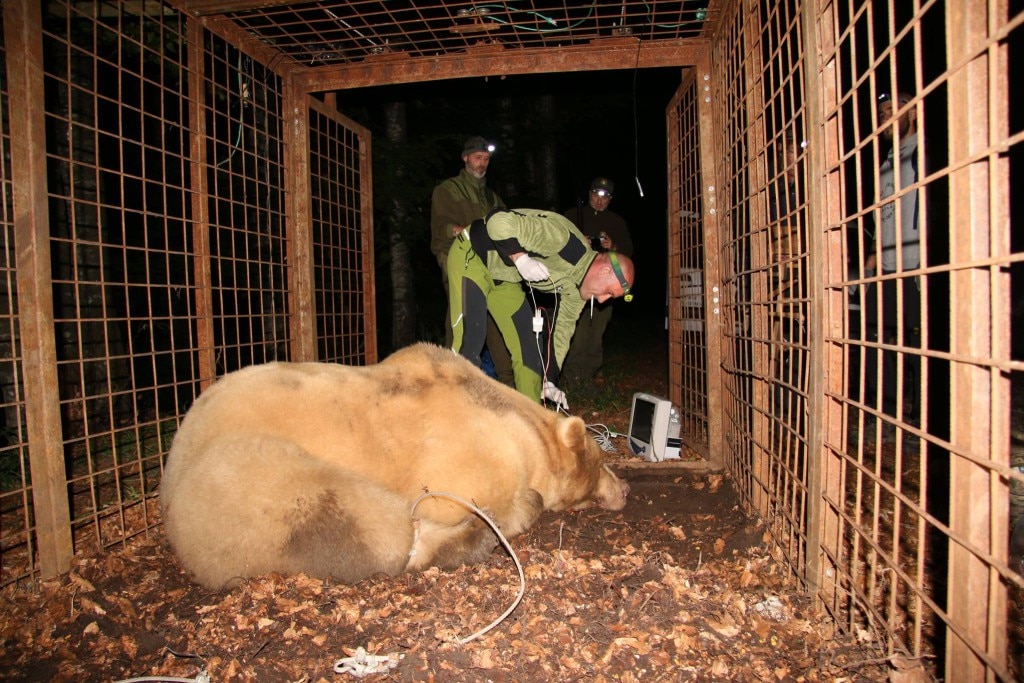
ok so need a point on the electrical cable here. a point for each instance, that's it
(508, 9)
(636, 128)
(244, 93)
(504, 542)
(201, 677)
(604, 437)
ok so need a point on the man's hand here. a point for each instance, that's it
(555, 395)
(532, 270)
(456, 229)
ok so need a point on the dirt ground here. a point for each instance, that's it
(678, 586)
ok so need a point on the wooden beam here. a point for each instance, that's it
(209, 7)
(493, 60)
(23, 36)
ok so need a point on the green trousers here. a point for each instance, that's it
(495, 343)
(472, 294)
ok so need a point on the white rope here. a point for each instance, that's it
(504, 542)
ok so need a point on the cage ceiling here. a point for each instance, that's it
(336, 45)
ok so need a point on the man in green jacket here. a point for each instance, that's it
(491, 261)
(454, 204)
(607, 231)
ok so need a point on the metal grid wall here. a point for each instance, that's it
(147, 170)
(877, 451)
(245, 157)
(688, 367)
(879, 456)
(342, 226)
(119, 266)
(919, 492)
(732, 171)
(335, 32)
(760, 159)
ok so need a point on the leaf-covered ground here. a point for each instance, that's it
(678, 586)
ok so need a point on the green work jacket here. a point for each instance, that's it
(553, 240)
(458, 201)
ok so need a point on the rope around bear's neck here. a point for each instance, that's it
(504, 542)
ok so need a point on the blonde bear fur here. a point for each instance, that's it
(311, 467)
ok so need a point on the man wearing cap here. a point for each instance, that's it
(607, 231)
(493, 259)
(455, 203)
(895, 249)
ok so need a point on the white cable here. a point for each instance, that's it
(504, 542)
(201, 677)
(604, 437)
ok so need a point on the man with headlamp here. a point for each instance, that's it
(487, 266)
(454, 204)
(607, 231)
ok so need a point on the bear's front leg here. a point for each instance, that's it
(471, 540)
(446, 546)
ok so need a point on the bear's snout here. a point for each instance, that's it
(611, 491)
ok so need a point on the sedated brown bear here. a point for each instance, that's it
(315, 467)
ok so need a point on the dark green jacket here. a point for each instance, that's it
(592, 223)
(458, 201)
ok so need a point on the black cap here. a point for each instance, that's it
(476, 144)
(602, 184)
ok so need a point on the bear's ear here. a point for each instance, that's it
(572, 433)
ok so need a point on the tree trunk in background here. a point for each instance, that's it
(504, 120)
(403, 324)
(547, 170)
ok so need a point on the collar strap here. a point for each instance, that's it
(614, 259)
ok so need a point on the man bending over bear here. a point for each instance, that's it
(486, 266)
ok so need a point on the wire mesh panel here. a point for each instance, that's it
(785, 270)
(247, 226)
(688, 381)
(905, 222)
(119, 250)
(166, 248)
(764, 258)
(742, 226)
(922, 134)
(342, 244)
(338, 32)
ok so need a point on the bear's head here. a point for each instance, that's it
(585, 477)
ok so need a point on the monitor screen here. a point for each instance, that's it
(653, 428)
(643, 420)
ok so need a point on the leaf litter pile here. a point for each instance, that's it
(678, 586)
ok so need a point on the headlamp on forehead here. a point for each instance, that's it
(617, 269)
(602, 193)
(900, 98)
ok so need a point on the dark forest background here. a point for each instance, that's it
(554, 133)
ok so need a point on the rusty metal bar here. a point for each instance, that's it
(299, 229)
(366, 239)
(23, 37)
(973, 124)
(205, 335)
(757, 210)
(713, 254)
(823, 369)
(824, 479)
(481, 62)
